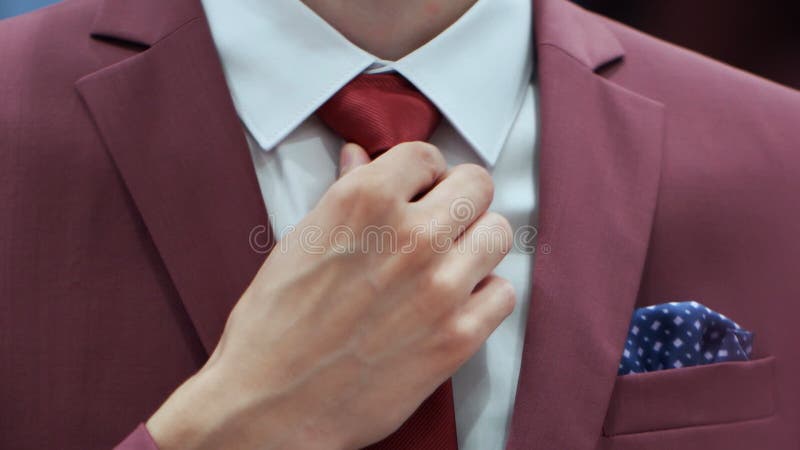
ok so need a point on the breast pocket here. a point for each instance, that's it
(723, 393)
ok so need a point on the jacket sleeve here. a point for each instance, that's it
(140, 439)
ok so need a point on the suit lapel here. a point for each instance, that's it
(599, 171)
(167, 119)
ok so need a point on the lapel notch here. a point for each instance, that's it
(143, 22)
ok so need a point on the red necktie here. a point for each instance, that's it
(378, 112)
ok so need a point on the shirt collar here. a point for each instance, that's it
(282, 62)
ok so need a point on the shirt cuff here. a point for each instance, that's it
(140, 439)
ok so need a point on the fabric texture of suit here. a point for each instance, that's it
(129, 201)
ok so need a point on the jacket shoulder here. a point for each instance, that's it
(686, 81)
(45, 31)
(42, 118)
(720, 123)
(45, 51)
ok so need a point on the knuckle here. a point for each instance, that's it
(500, 226)
(466, 329)
(439, 292)
(481, 178)
(421, 149)
(362, 196)
(460, 338)
(427, 156)
(443, 286)
(492, 235)
(506, 296)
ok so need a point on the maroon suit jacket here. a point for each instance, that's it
(128, 200)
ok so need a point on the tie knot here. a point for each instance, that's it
(379, 111)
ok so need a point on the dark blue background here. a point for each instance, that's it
(10, 8)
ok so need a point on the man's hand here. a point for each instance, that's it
(337, 341)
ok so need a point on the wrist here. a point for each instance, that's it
(212, 411)
(193, 417)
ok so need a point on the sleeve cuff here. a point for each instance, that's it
(140, 439)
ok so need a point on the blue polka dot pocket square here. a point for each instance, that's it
(681, 334)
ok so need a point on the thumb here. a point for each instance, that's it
(351, 156)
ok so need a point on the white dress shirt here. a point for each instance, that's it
(282, 62)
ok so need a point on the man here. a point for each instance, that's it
(135, 228)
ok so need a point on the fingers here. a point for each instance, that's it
(458, 200)
(492, 301)
(351, 156)
(471, 323)
(408, 169)
(479, 250)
